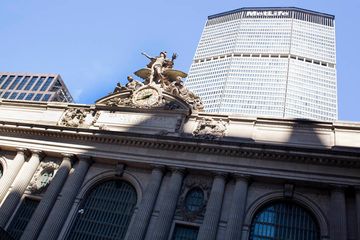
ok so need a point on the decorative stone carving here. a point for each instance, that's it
(159, 77)
(191, 183)
(79, 117)
(42, 177)
(73, 117)
(210, 129)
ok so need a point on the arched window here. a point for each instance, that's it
(284, 220)
(106, 212)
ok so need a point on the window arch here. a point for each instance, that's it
(283, 220)
(106, 212)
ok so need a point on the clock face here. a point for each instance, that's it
(146, 97)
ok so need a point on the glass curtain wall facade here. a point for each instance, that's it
(277, 62)
(33, 87)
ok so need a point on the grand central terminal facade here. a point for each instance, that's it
(145, 162)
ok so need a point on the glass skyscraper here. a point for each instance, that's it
(277, 62)
(33, 87)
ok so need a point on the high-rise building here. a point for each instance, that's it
(267, 61)
(34, 87)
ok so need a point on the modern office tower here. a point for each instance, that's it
(267, 61)
(34, 87)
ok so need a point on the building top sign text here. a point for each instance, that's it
(267, 13)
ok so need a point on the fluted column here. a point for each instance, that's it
(20, 183)
(237, 208)
(338, 214)
(43, 209)
(357, 195)
(168, 204)
(209, 227)
(62, 206)
(138, 228)
(8, 178)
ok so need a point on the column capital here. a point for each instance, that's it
(338, 187)
(85, 158)
(38, 152)
(220, 174)
(180, 170)
(158, 167)
(68, 155)
(241, 177)
(23, 151)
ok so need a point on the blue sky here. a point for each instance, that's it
(94, 44)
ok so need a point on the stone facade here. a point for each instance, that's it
(240, 164)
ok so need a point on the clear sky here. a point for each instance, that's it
(94, 44)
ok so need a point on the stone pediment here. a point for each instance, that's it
(162, 88)
(146, 97)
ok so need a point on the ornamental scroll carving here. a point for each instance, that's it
(210, 129)
(42, 177)
(191, 183)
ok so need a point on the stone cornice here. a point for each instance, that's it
(329, 157)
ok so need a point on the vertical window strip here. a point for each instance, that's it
(7, 82)
(31, 83)
(47, 84)
(38, 84)
(17, 80)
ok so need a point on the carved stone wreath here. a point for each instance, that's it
(210, 129)
(35, 186)
(191, 183)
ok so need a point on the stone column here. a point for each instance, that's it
(338, 225)
(62, 206)
(141, 220)
(8, 178)
(237, 208)
(209, 227)
(43, 209)
(20, 183)
(357, 192)
(168, 204)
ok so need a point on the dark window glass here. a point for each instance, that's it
(17, 80)
(22, 217)
(194, 200)
(29, 96)
(2, 78)
(6, 95)
(22, 83)
(31, 82)
(7, 82)
(21, 96)
(38, 83)
(37, 97)
(284, 220)
(1, 170)
(47, 83)
(182, 232)
(106, 212)
(13, 95)
(46, 97)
